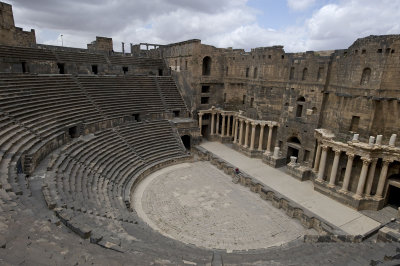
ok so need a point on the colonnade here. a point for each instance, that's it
(367, 173)
(242, 127)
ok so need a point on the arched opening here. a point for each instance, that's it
(206, 66)
(314, 110)
(393, 193)
(365, 76)
(294, 147)
(73, 132)
(300, 103)
(305, 72)
(291, 74)
(186, 141)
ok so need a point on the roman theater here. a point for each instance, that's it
(188, 154)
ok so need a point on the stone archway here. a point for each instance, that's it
(186, 140)
(206, 66)
(293, 148)
(393, 192)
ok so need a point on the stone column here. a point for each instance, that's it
(370, 178)
(335, 165)
(270, 127)
(253, 135)
(217, 130)
(246, 136)
(241, 132)
(200, 122)
(322, 165)
(223, 126)
(235, 138)
(317, 158)
(260, 141)
(382, 179)
(228, 129)
(212, 123)
(347, 174)
(363, 177)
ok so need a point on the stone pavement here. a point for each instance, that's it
(198, 204)
(347, 219)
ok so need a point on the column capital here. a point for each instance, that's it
(350, 155)
(374, 160)
(262, 124)
(247, 122)
(366, 160)
(223, 114)
(254, 124)
(336, 151)
(324, 147)
(386, 161)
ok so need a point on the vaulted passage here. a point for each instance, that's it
(186, 141)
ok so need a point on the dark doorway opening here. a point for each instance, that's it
(136, 117)
(204, 100)
(206, 66)
(294, 146)
(94, 69)
(393, 196)
(291, 152)
(160, 72)
(176, 113)
(24, 67)
(125, 69)
(204, 131)
(186, 141)
(61, 69)
(73, 132)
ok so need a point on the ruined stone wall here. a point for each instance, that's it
(266, 83)
(363, 82)
(101, 44)
(185, 60)
(11, 35)
(347, 91)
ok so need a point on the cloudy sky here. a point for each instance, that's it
(299, 25)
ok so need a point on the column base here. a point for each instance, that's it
(331, 185)
(357, 197)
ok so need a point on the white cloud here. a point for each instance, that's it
(300, 5)
(222, 23)
(339, 25)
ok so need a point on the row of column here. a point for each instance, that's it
(366, 176)
(239, 127)
(215, 130)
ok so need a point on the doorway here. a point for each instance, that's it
(393, 196)
(186, 141)
(291, 152)
(73, 132)
(294, 147)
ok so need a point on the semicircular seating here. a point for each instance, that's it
(89, 178)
